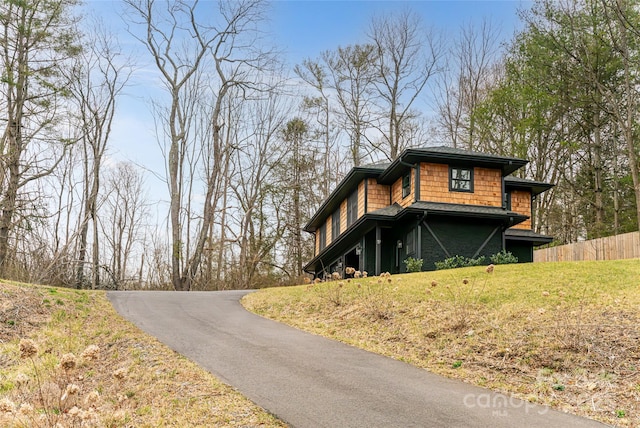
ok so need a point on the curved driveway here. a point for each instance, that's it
(310, 381)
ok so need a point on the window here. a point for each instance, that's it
(335, 225)
(406, 185)
(460, 179)
(322, 236)
(410, 246)
(352, 208)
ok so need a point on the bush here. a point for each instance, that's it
(458, 261)
(413, 265)
(503, 258)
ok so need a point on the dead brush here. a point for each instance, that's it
(51, 396)
(376, 304)
(464, 300)
(569, 329)
(335, 294)
(608, 344)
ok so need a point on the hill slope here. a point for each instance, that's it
(67, 358)
(562, 334)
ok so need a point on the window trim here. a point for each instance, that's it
(452, 188)
(406, 188)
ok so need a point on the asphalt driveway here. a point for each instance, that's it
(310, 381)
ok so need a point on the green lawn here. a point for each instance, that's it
(561, 334)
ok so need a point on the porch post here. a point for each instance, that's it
(419, 243)
(378, 250)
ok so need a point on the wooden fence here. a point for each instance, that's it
(625, 246)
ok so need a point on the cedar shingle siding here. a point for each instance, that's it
(396, 193)
(434, 186)
(521, 203)
(377, 196)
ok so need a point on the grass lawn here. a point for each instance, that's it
(562, 334)
(67, 359)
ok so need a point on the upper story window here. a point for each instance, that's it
(322, 236)
(460, 179)
(406, 184)
(352, 208)
(335, 224)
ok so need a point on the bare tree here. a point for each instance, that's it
(98, 77)
(407, 59)
(321, 125)
(36, 40)
(260, 218)
(353, 71)
(182, 47)
(470, 71)
(125, 213)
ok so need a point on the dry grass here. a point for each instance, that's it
(561, 334)
(93, 369)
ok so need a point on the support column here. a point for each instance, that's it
(378, 250)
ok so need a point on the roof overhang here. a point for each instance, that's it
(535, 187)
(340, 193)
(527, 235)
(451, 156)
(506, 217)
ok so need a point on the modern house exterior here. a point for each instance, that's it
(430, 203)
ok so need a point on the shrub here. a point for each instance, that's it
(413, 265)
(458, 261)
(503, 257)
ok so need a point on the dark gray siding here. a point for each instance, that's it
(460, 237)
(522, 250)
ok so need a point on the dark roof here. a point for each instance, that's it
(387, 173)
(451, 156)
(390, 211)
(381, 165)
(348, 184)
(527, 235)
(464, 210)
(536, 187)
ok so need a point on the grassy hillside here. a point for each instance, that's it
(561, 334)
(68, 359)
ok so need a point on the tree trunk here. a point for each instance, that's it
(597, 176)
(10, 195)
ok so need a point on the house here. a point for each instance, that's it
(430, 203)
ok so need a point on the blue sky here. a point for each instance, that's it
(301, 29)
(306, 28)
